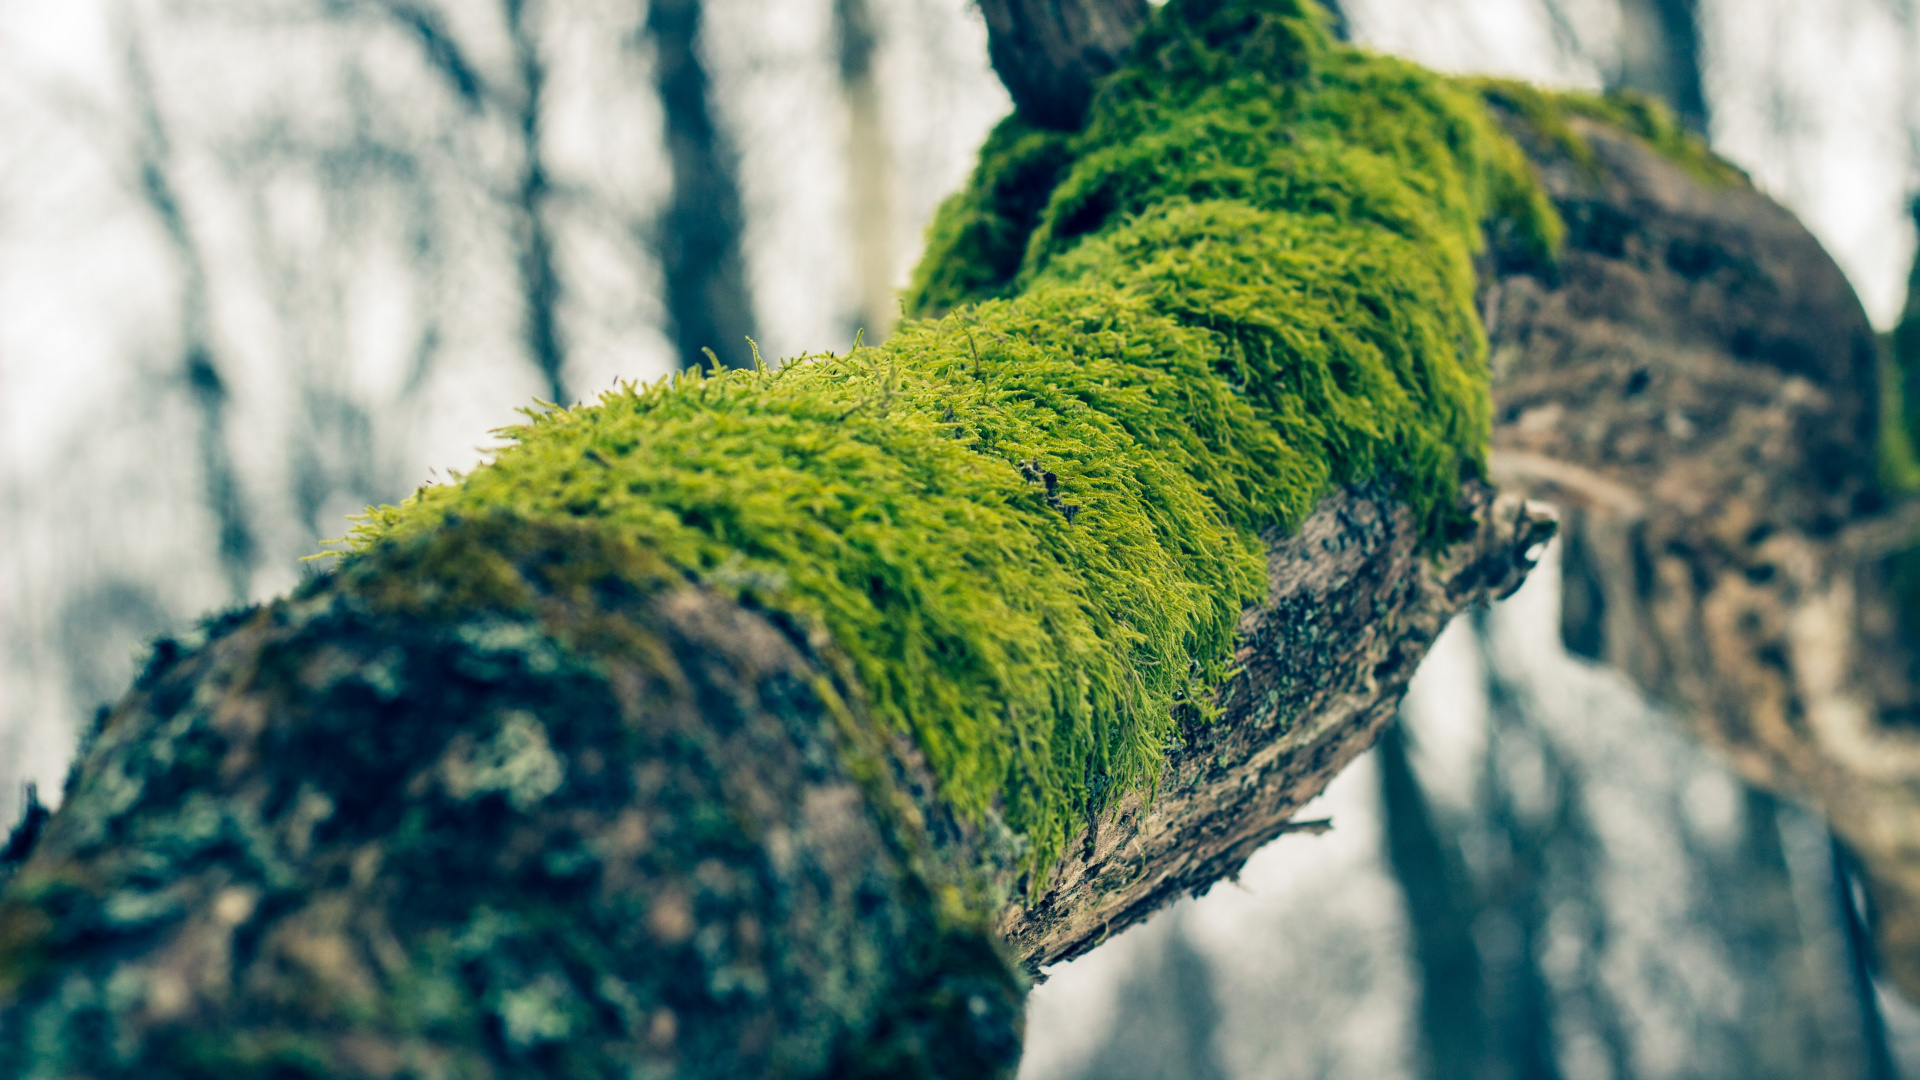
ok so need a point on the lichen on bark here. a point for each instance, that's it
(507, 799)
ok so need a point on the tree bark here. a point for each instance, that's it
(396, 825)
(1352, 607)
(1699, 389)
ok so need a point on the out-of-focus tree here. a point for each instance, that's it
(698, 235)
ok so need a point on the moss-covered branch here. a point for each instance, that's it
(718, 727)
(1032, 524)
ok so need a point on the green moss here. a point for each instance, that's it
(1031, 525)
(1549, 112)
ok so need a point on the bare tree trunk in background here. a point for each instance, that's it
(1167, 1019)
(1860, 967)
(236, 547)
(1518, 889)
(532, 190)
(699, 235)
(869, 169)
(1440, 905)
(1660, 54)
(1337, 20)
(539, 279)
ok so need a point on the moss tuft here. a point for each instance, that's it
(1032, 524)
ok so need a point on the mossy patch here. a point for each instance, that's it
(1550, 111)
(1031, 523)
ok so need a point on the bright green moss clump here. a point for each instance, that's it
(1031, 524)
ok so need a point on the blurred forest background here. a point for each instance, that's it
(265, 262)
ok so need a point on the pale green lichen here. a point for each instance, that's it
(1031, 524)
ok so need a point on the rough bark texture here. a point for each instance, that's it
(480, 807)
(1051, 52)
(1352, 607)
(1699, 390)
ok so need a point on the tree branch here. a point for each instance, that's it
(1699, 389)
(1051, 52)
(558, 776)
